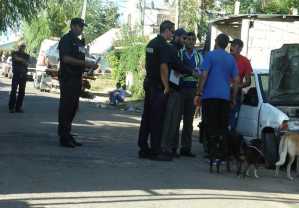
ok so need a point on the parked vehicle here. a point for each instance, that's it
(271, 104)
(46, 75)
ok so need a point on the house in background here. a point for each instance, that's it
(146, 15)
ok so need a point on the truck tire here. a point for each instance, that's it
(271, 144)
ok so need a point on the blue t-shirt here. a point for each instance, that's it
(222, 68)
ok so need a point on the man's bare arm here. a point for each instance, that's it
(201, 82)
(164, 77)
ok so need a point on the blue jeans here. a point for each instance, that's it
(115, 98)
(234, 114)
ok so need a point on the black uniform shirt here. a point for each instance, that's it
(17, 66)
(157, 53)
(72, 46)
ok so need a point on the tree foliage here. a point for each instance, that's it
(100, 19)
(53, 21)
(13, 11)
(130, 58)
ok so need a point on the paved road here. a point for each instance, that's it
(105, 172)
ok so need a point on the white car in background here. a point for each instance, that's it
(271, 104)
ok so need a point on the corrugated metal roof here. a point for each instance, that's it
(267, 17)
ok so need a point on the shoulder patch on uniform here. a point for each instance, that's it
(149, 50)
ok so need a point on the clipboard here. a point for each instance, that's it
(175, 77)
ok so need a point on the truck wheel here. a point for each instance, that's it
(271, 143)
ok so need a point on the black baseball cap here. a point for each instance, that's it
(78, 21)
(180, 32)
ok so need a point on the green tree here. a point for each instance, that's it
(54, 20)
(130, 58)
(100, 19)
(279, 6)
(194, 15)
(13, 11)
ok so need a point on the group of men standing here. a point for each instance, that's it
(178, 79)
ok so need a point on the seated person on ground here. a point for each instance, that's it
(118, 95)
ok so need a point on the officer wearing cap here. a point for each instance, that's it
(20, 61)
(72, 65)
(156, 88)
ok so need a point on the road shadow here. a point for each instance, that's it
(33, 162)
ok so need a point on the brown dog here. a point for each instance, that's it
(289, 145)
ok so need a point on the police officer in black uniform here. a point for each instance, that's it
(156, 89)
(72, 65)
(20, 61)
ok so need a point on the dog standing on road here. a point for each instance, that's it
(224, 149)
(253, 156)
(289, 145)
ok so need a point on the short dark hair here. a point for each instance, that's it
(222, 40)
(191, 34)
(166, 25)
(180, 32)
(237, 42)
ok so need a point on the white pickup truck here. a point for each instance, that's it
(272, 101)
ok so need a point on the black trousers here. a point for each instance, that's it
(215, 113)
(152, 120)
(68, 105)
(18, 81)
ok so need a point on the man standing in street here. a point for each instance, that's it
(20, 61)
(72, 65)
(245, 71)
(170, 133)
(156, 88)
(219, 70)
(189, 56)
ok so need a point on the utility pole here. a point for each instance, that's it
(83, 13)
(178, 12)
(237, 7)
(142, 14)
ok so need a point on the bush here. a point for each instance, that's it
(130, 58)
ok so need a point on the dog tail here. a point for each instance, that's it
(283, 151)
